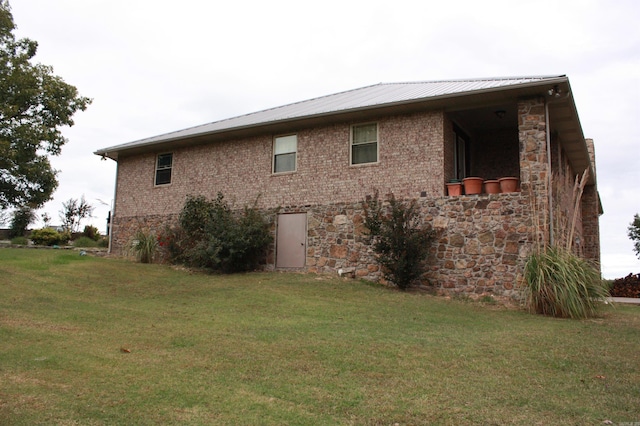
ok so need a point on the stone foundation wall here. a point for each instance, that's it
(481, 247)
(124, 229)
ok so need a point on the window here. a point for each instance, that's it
(462, 157)
(364, 143)
(284, 153)
(163, 169)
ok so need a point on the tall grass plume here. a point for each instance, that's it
(561, 284)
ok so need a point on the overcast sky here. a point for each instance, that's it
(155, 66)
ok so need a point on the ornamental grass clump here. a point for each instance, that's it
(561, 284)
(144, 245)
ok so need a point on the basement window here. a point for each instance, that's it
(164, 163)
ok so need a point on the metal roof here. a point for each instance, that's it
(366, 98)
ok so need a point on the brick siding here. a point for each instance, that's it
(411, 150)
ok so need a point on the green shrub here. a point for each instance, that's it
(91, 232)
(488, 299)
(21, 218)
(561, 284)
(20, 241)
(144, 245)
(85, 242)
(49, 237)
(400, 240)
(210, 235)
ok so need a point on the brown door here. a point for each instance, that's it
(291, 240)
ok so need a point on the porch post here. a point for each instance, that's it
(534, 165)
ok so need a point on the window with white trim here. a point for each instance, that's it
(164, 163)
(284, 153)
(364, 143)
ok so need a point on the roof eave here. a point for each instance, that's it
(494, 94)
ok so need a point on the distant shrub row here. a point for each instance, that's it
(90, 237)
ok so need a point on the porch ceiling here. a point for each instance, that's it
(563, 122)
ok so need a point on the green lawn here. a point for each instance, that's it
(91, 341)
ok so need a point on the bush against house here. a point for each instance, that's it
(211, 235)
(400, 240)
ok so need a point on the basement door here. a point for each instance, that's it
(291, 240)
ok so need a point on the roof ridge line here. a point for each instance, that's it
(458, 80)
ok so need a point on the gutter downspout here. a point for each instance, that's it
(113, 208)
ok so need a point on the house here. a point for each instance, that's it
(318, 159)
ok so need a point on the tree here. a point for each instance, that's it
(634, 233)
(46, 219)
(21, 219)
(34, 105)
(72, 213)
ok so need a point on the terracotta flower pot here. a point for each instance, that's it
(472, 185)
(492, 186)
(454, 188)
(508, 184)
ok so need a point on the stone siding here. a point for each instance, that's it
(481, 245)
(534, 163)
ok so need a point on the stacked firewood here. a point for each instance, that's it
(628, 286)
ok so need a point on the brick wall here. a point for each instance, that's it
(411, 150)
(591, 214)
(496, 155)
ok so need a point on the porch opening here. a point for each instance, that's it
(483, 143)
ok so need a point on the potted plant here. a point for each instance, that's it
(472, 185)
(492, 186)
(454, 187)
(508, 184)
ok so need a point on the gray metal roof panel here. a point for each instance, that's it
(364, 97)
